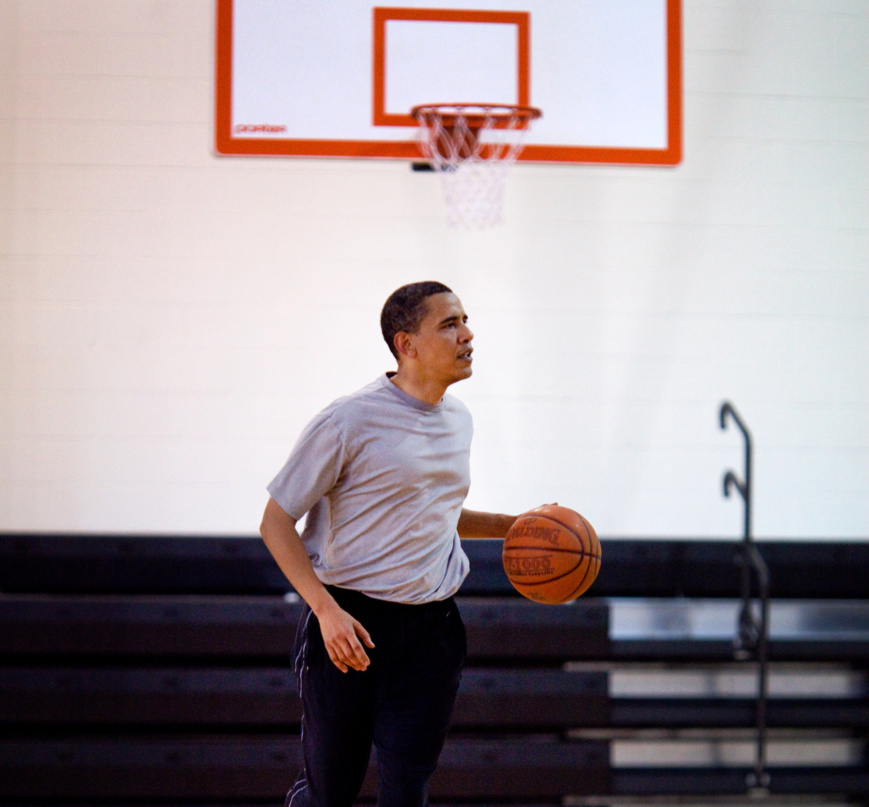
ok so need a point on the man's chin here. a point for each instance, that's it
(467, 372)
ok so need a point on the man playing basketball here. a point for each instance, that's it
(382, 475)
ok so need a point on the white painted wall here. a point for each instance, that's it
(169, 319)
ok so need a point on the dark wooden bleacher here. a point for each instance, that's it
(154, 671)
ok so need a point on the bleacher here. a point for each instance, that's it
(155, 671)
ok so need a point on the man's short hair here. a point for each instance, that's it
(405, 309)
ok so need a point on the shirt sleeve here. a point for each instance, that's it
(312, 469)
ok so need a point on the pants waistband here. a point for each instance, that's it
(348, 597)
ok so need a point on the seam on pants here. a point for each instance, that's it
(301, 658)
(299, 662)
(297, 788)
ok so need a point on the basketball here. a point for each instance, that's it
(551, 554)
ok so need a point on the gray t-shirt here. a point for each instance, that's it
(382, 477)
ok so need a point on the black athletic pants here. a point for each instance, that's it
(402, 704)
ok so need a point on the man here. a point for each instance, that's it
(381, 476)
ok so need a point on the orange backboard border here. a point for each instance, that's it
(228, 145)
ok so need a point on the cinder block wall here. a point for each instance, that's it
(170, 319)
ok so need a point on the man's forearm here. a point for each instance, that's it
(279, 533)
(479, 524)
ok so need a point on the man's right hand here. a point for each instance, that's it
(341, 635)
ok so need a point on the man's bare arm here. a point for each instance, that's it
(341, 632)
(478, 524)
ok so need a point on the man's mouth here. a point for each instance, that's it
(466, 356)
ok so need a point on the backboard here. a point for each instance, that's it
(337, 78)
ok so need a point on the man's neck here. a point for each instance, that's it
(428, 391)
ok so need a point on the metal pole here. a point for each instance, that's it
(753, 634)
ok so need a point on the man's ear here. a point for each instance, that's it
(404, 344)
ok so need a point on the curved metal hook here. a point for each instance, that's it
(727, 408)
(731, 481)
(730, 478)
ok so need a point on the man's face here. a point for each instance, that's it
(443, 341)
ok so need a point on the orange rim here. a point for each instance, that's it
(500, 114)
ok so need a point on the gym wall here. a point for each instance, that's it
(170, 319)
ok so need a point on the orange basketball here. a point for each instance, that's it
(551, 554)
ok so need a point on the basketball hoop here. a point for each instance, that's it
(472, 146)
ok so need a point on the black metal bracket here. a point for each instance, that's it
(753, 630)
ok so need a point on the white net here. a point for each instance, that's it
(472, 146)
